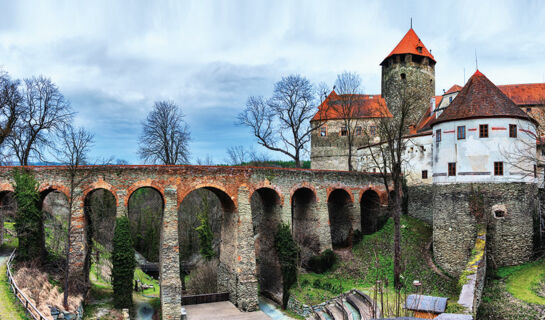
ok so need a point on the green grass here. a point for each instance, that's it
(10, 308)
(10, 242)
(373, 258)
(523, 280)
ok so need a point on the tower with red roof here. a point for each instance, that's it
(410, 63)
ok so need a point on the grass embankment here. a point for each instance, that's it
(372, 259)
(516, 292)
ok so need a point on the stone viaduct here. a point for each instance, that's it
(322, 207)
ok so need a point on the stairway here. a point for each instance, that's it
(354, 305)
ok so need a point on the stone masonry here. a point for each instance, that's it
(234, 186)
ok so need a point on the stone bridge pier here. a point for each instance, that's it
(320, 206)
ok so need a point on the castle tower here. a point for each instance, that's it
(409, 61)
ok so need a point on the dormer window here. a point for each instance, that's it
(419, 49)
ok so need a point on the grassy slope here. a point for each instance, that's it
(510, 293)
(362, 270)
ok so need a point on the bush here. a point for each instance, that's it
(287, 254)
(322, 262)
(205, 231)
(29, 217)
(204, 278)
(123, 264)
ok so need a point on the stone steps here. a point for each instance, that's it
(335, 312)
(362, 304)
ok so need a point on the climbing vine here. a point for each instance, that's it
(123, 264)
(287, 254)
(29, 218)
(205, 231)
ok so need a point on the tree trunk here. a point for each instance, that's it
(396, 207)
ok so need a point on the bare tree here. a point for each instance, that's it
(10, 105)
(405, 107)
(46, 111)
(165, 137)
(73, 150)
(348, 85)
(282, 123)
(237, 155)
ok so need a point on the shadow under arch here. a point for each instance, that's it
(266, 217)
(99, 209)
(370, 205)
(305, 223)
(340, 205)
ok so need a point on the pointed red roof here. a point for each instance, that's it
(366, 106)
(454, 88)
(480, 98)
(410, 44)
(525, 94)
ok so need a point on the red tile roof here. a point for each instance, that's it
(366, 106)
(425, 121)
(525, 94)
(480, 98)
(410, 44)
(454, 88)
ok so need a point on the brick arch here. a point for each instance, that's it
(301, 186)
(382, 194)
(56, 187)
(182, 193)
(148, 183)
(340, 187)
(265, 185)
(101, 184)
(4, 187)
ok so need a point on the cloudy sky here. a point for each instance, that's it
(113, 59)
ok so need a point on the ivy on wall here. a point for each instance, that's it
(123, 264)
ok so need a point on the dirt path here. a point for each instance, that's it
(8, 308)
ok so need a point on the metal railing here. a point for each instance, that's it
(29, 306)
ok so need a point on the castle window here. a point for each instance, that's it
(403, 76)
(449, 99)
(372, 130)
(452, 169)
(438, 135)
(499, 214)
(424, 174)
(419, 49)
(323, 131)
(535, 171)
(344, 131)
(461, 132)
(512, 131)
(528, 109)
(483, 131)
(358, 130)
(498, 168)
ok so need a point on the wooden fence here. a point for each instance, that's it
(29, 306)
(205, 298)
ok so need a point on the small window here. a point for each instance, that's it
(372, 130)
(403, 76)
(438, 135)
(450, 99)
(419, 49)
(512, 131)
(483, 131)
(499, 214)
(344, 131)
(358, 130)
(323, 131)
(452, 168)
(498, 168)
(424, 174)
(535, 171)
(461, 132)
(528, 109)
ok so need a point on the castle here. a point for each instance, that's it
(471, 159)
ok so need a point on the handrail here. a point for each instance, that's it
(29, 306)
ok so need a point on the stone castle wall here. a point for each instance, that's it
(420, 198)
(510, 238)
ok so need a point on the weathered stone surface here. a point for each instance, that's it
(421, 202)
(510, 239)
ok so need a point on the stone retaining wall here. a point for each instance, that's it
(473, 277)
(421, 202)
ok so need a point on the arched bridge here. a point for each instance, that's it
(322, 207)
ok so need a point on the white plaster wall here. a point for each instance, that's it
(475, 156)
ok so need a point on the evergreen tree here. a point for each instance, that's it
(205, 231)
(29, 218)
(287, 254)
(123, 264)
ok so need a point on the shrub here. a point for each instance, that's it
(29, 217)
(204, 278)
(322, 262)
(205, 231)
(123, 264)
(287, 254)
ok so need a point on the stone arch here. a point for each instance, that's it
(266, 209)
(54, 204)
(145, 184)
(99, 210)
(274, 188)
(340, 187)
(370, 205)
(303, 185)
(101, 184)
(340, 205)
(45, 189)
(305, 222)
